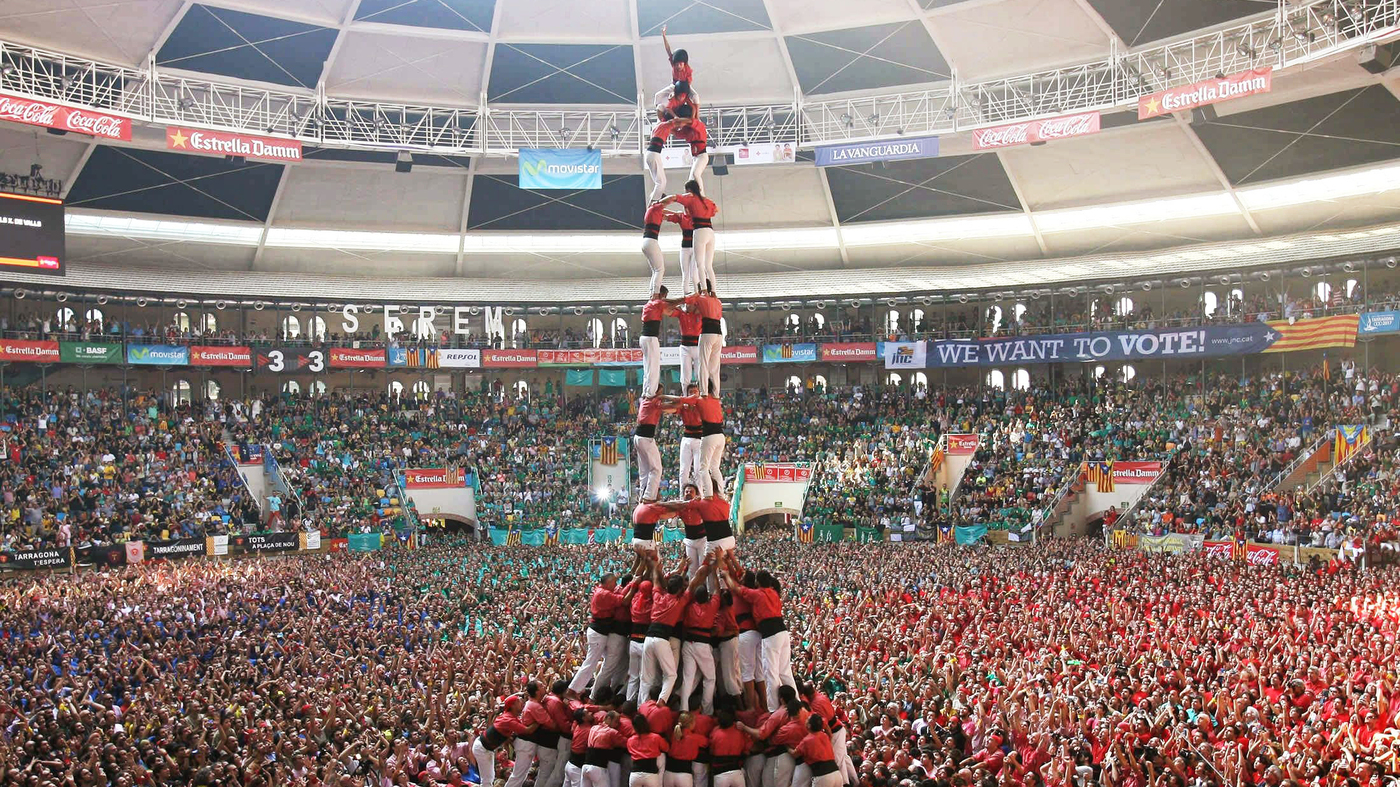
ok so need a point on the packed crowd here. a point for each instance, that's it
(947, 666)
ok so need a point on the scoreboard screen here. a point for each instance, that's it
(31, 234)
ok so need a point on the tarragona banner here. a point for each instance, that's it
(134, 552)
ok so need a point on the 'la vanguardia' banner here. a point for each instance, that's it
(789, 353)
(882, 150)
(89, 352)
(553, 168)
(1373, 323)
(157, 355)
(1204, 342)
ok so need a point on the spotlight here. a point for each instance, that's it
(899, 131)
(21, 294)
(141, 301)
(1185, 284)
(102, 300)
(7, 69)
(1389, 262)
(1147, 286)
(180, 304)
(185, 104)
(404, 162)
(220, 305)
(62, 297)
(847, 120)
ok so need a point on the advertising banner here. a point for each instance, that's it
(789, 353)
(267, 542)
(509, 359)
(414, 357)
(175, 548)
(777, 472)
(1317, 334)
(601, 356)
(742, 353)
(350, 358)
(1262, 555)
(310, 540)
(241, 357)
(1135, 472)
(1173, 543)
(1033, 131)
(58, 557)
(83, 121)
(224, 143)
(884, 150)
(157, 355)
(1209, 91)
(34, 239)
(89, 352)
(216, 546)
(778, 153)
(26, 350)
(962, 444)
(1203, 342)
(435, 478)
(849, 352)
(459, 359)
(552, 168)
(904, 355)
(291, 360)
(1373, 323)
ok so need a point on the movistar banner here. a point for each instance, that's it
(549, 168)
(1164, 343)
(1373, 323)
(789, 353)
(89, 352)
(157, 355)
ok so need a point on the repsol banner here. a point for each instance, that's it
(175, 548)
(266, 542)
(1165, 343)
(58, 557)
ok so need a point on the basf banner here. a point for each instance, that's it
(1206, 342)
(157, 355)
(884, 150)
(550, 168)
(89, 352)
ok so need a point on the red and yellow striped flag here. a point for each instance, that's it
(1317, 334)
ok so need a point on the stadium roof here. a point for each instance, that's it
(1318, 151)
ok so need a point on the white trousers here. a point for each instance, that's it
(711, 344)
(697, 170)
(729, 666)
(777, 666)
(651, 364)
(657, 171)
(651, 249)
(525, 752)
(753, 770)
(597, 651)
(695, 553)
(634, 668)
(777, 771)
(573, 775)
(833, 779)
(690, 464)
(802, 775)
(705, 252)
(698, 663)
(711, 455)
(640, 779)
(750, 656)
(555, 778)
(614, 671)
(648, 466)
(845, 767)
(729, 779)
(658, 666)
(669, 779)
(690, 365)
(690, 270)
(485, 763)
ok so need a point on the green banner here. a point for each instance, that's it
(89, 352)
(828, 534)
(362, 542)
(867, 534)
(612, 378)
(582, 378)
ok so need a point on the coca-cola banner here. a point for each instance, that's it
(509, 359)
(221, 356)
(1261, 555)
(223, 143)
(1032, 131)
(347, 358)
(26, 350)
(1136, 472)
(83, 121)
(1210, 91)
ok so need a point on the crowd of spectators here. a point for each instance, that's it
(1059, 664)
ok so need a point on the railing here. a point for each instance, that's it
(1063, 492)
(243, 482)
(1331, 474)
(410, 511)
(1303, 458)
(1129, 515)
(1280, 39)
(280, 481)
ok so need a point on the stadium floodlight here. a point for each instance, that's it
(403, 162)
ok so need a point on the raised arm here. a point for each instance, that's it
(666, 42)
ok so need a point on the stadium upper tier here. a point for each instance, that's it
(460, 87)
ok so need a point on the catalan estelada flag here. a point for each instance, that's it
(1316, 334)
(422, 358)
(787, 352)
(1101, 474)
(607, 452)
(804, 532)
(946, 534)
(1349, 441)
(512, 537)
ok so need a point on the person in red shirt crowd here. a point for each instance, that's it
(727, 645)
(602, 606)
(578, 747)
(712, 442)
(645, 517)
(702, 213)
(505, 727)
(655, 216)
(767, 604)
(646, 748)
(818, 755)
(781, 733)
(641, 619)
(604, 739)
(691, 441)
(690, 269)
(653, 312)
(834, 726)
(649, 410)
(697, 651)
(729, 748)
(669, 597)
(687, 745)
(556, 702)
(538, 745)
(711, 312)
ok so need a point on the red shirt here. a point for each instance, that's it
(690, 514)
(690, 415)
(822, 706)
(508, 724)
(765, 602)
(690, 323)
(656, 213)
(559, 714)
(816, 747)
(658, 716)
(604, 602)
(711, 409)
(579, 744)
(535, 713)
(649, 513)
(646, 747)
(649, 411)
(728, 742)
(653, 310)
(713, 509)
(700, 618)
(693, 132)
(683, 219)
(689, 746)
(703, 724)
(681, 72)
(708, 307)
(603, 737)
(641, 605)
(697, 207)
(743, 613)
(666, 608)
